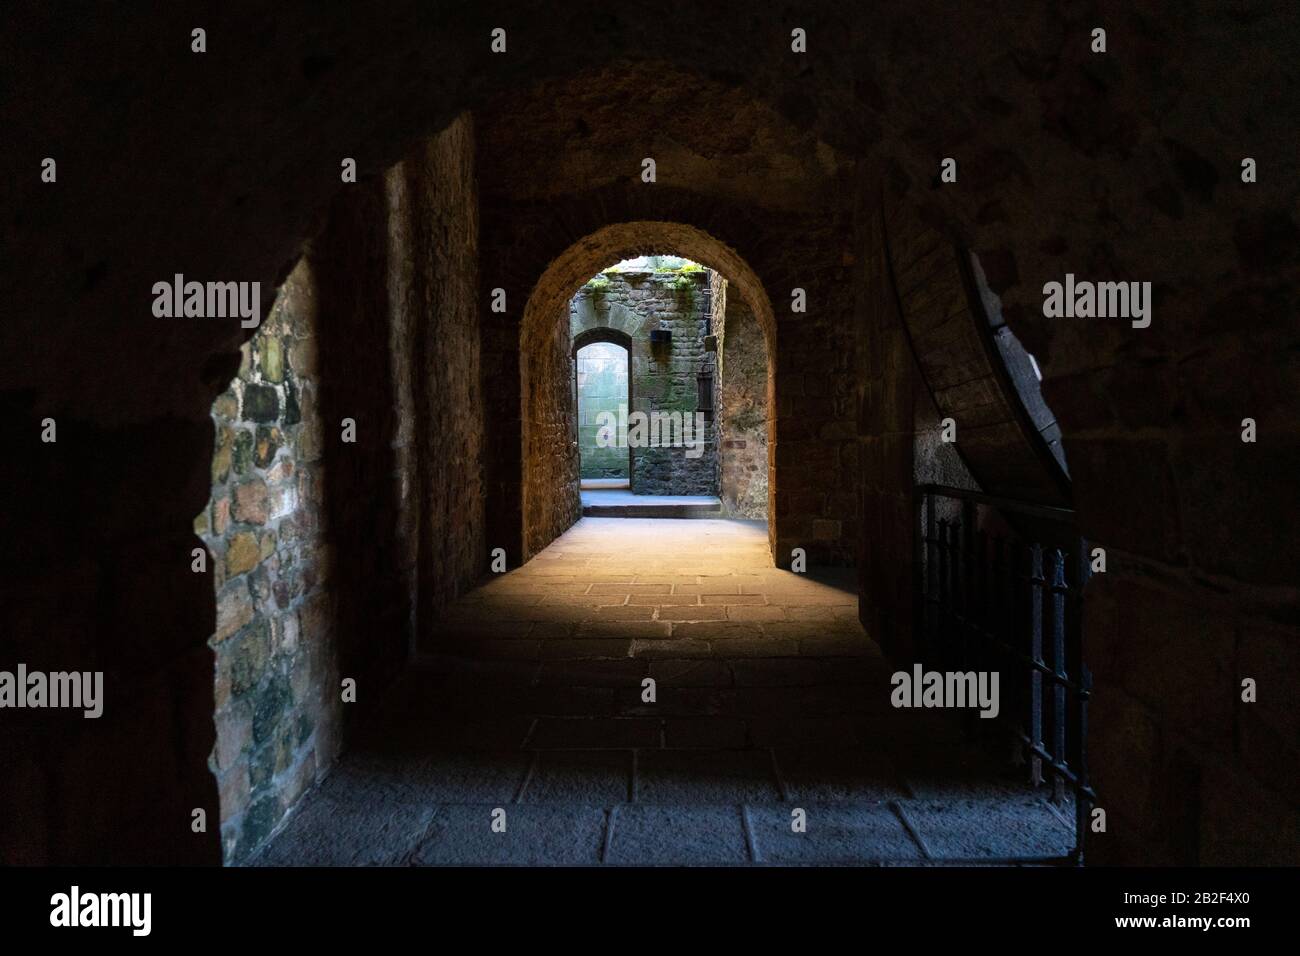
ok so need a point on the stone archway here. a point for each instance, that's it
(1065, 159)
(549, 501)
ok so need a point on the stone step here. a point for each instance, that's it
(625, 505)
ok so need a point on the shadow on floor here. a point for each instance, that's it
(588, 773)
(529, 707)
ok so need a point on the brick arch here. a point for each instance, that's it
(549, 498)
(968, 379)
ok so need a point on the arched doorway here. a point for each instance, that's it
(602, 359)
(550, 502)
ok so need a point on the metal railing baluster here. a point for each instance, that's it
(992, 601)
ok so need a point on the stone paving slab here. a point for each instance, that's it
(691, 673)
(593, 673)
(478, 776)
(580, 777)
(688, 835)
(625, 630)
(807, 731)
(451, 732)
(705, 776)
(562, 627)
(718, 629)
(781, 672)
(678, 701)
(742, 647)
(627, 612)
(825, 774)
(814, 612)
(942, 765)
(760, 613)
(589, 649)
(713, 733)
(805, 701)
(478, 679)
(689, 614)
(665, 649)
(535, 835)
(379, 831)
(564, 700)
(519, 650)
(428, 775)
(837, 647)
(868, 672)
(988, 827)
(835, 833)
(589, 733)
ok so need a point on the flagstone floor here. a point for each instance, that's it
(770, 707)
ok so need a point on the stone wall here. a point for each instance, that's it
(888, 384)
(1069, 161)
(551, 502)
(817, 469)
(433, 281)
(663, 376)
(376, 326)
(271, 569)
(742, 410)
(781, 226)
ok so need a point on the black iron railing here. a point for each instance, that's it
(1000, 588)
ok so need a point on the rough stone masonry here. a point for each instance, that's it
(816, 170)
(664, 376)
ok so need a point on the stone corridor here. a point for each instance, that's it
(768, 698)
